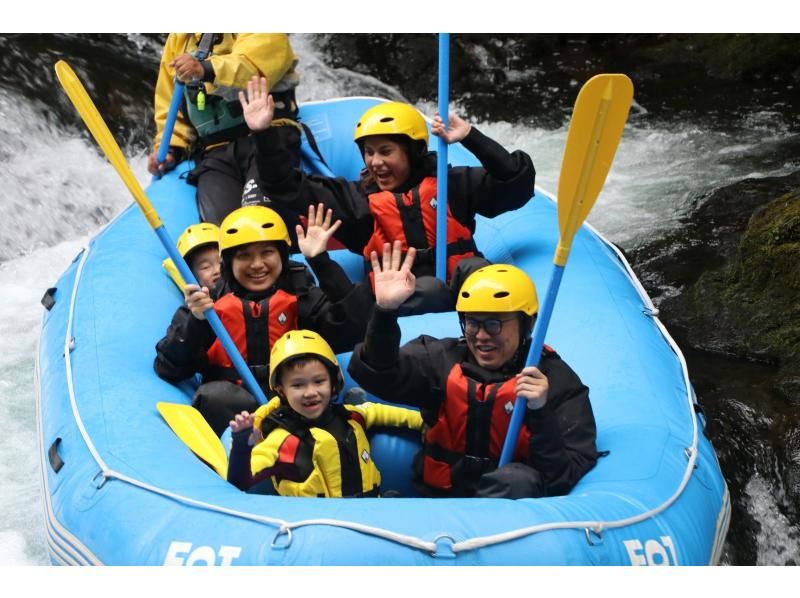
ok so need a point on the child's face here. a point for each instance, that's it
(307, 387)
(206, 266)
(256, 266)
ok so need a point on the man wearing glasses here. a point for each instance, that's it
(466, 388)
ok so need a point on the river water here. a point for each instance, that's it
(56, 190)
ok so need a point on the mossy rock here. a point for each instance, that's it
(750, 307)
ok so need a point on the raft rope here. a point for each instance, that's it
(285, 527)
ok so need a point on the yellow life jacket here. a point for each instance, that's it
(331, 459)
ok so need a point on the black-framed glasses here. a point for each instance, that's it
(492, 326)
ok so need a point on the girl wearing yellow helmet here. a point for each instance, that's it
(263, 295)
(466, 388)
(396, 198)
(300, 435)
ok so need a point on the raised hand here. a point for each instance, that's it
(243, 421)
(394, 282)
(314, 240)
(258, 108)
(457, 128)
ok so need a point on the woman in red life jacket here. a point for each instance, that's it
(466, 388)
(262, 294)
(395, 200)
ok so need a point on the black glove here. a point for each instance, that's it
(515, 480)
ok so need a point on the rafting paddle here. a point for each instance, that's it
(594, 133)
(191, 427)
(88, 112)
(441, 158)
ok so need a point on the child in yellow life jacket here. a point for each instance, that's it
(262, 295)
(311, 446)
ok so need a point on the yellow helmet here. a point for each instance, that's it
(392, 118)
(197, 235)
(301, 343)
(252, 224)
(498, 288)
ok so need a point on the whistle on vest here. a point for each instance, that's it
(201, 100)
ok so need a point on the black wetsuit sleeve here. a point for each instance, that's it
(182, 352)
(504, 182)
(333, 280)
(563, 432)
(341, 322)
(405, 375)
(295, 190)
(239, 461)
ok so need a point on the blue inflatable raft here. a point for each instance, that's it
(121, 489)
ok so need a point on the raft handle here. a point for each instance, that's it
(56, 462)
(48, 299)
(103, 479)
(281, 531)
(444, 550)
(590, 534)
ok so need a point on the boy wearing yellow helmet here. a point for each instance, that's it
(300, 435)
(466, 388)
(396, 198)
(265, 295)
(199, 246)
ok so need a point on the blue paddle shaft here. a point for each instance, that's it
(534, 353)
(213, 319)
(169, 125)
(441, 160)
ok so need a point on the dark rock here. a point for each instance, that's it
(729, 280)
(535, 77)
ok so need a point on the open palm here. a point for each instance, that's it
(314, 240)
(258, 107)
(394, 282)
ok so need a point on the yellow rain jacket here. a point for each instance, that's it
(235, 60)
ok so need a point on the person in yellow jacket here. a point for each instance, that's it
(210, 128)
(311, 447)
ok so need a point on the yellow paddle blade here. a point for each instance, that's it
(194, 431)
(97, 126)
(171, 269)
(594, 132)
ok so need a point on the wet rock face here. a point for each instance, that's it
(535, 77)
(729, 280)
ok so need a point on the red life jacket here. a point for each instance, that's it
(254, 327)
(411, 218)
(467, 438)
